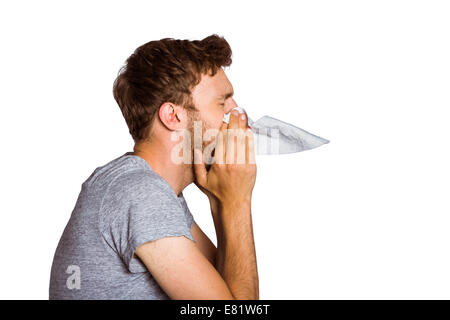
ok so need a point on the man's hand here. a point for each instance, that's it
(231, 178)
(212, 198)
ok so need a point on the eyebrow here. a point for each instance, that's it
(226, 95)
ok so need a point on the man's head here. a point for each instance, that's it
(167, 84)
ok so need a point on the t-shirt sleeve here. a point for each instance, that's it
(187, 212)
(152, 212)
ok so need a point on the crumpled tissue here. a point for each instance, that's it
(273, 136)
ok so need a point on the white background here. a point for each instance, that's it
(364, 217)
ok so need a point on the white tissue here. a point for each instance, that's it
(273, 136)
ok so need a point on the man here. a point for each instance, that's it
(131, 234)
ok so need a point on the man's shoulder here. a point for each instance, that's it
(125, 186)
(137, 180)
(127, 180)
(125, 170)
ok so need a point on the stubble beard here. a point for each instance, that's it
(195, 116)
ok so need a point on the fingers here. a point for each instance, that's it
(234, 120)
(232, 130)
(241, 146)
(219, 153)
(232, 146)
(243, 121)
(247, 138)
(236, 135)
(249, 147)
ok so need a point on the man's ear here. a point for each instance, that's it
(172, 116)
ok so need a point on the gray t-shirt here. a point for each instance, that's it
(122, 205)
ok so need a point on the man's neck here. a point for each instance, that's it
(158, 156)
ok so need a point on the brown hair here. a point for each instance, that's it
(165, 70)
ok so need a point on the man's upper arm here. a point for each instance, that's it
(182, 270)
(204, 243)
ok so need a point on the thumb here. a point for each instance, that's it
(199, 167)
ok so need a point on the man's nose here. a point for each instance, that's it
(231, 106)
